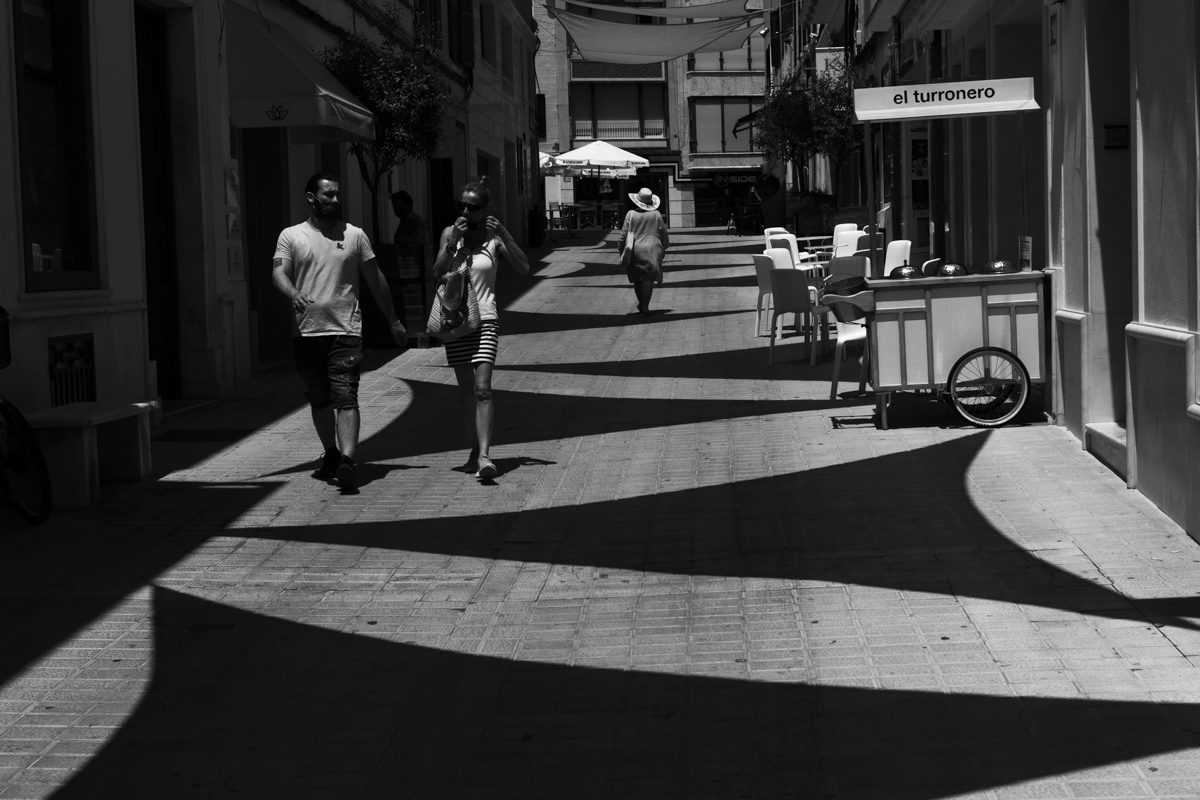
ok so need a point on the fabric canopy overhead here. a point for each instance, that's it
(629, 43)
(601, 154)
(718, 10)
(274, 82)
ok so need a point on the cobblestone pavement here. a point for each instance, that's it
(696, 577)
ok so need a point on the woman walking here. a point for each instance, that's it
(478, 240)
(644, 234)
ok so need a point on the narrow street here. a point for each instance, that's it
(695, 577)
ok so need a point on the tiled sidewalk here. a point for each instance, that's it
(687, 582)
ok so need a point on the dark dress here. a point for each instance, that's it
(646, 233)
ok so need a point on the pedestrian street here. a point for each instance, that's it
(695, 576)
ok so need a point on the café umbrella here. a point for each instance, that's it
(603, 160)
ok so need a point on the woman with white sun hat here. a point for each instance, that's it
(643, 244)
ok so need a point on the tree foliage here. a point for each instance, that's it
(403, 89)
(811, 113)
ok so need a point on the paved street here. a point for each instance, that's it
(695, 577)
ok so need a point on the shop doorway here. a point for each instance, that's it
(264, 166)
(158, 201)
(441, 196)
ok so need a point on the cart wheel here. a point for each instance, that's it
(988, 386)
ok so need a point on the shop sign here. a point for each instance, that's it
(723, 179)
(964, 98)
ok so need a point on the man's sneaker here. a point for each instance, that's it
(329, 465)
(486, 468)
(345, 473)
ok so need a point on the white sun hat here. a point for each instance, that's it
(645, 199)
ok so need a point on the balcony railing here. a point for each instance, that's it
(620, 129)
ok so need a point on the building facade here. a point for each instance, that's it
(142, 200)
(679, 114)
(1102, 181)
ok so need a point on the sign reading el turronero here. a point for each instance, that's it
(960, 99)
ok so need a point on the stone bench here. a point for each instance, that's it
(83, 442)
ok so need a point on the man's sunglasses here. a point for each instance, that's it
(470, 207)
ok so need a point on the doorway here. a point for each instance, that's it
(264, 165)
(656, 182)
(158, 201)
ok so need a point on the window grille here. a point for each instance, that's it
(72, 369)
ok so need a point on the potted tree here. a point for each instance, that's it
(806, 114)
(403, 88)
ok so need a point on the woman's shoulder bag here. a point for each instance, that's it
(455, 311)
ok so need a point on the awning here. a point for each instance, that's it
(959, 99)
(628, 43)
(717, 10)
(743, 123)
(275, 82)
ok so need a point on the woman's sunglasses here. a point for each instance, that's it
(470, 207)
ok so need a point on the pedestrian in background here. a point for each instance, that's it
(478, 240)
(644, 235)
(317, 266)
(412, 234)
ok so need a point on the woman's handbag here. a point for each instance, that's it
(625, 245)
(455, 311)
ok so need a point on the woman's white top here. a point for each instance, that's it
(483, 261)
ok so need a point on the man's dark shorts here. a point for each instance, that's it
(329, 366)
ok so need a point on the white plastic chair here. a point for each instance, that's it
(763, 264)
(790, 295)
(769, 232)
(845, 242)
(844, 226)
(849, 333)
(782, 259)
(801, 259)
(898, 251)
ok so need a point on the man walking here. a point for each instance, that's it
(317, 267)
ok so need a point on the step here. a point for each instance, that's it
(1106, 441)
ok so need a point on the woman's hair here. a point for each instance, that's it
(479, 188)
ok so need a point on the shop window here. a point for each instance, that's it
(487, 33)
(58, 205)
(713, 120)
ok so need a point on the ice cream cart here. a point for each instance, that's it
(976, 338)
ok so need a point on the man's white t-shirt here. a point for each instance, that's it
(325, 267)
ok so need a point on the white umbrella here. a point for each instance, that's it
(546, 162)
(600, 154)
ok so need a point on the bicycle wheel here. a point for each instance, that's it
(22, 467)
(988, 386)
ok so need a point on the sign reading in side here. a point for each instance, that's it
(961, 99)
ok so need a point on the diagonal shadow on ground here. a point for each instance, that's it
(241, 701)
(731, 282)
(60, 577)
(817, 524)
(433, 420)
(747, 364)
(512, 322)
(605, 269)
